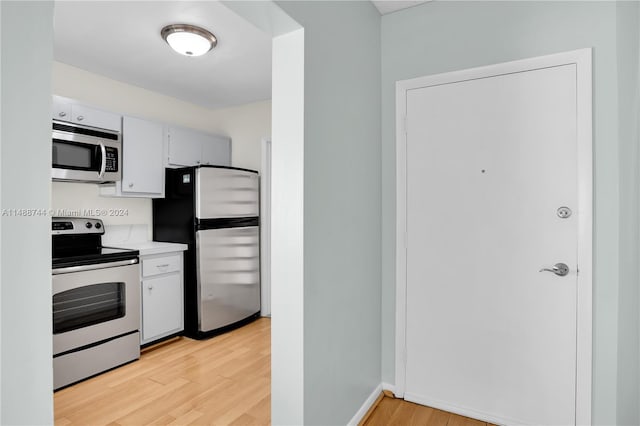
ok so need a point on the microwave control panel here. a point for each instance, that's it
(112, 159)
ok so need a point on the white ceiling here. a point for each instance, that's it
(389, 6)
(121, 40)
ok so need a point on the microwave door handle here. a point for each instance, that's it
(103, 165)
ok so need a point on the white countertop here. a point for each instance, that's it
(153, 247)
(135, 237)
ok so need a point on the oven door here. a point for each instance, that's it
(95, 303)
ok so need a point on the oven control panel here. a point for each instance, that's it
(76, 225)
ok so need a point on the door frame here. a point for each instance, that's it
(582, 59)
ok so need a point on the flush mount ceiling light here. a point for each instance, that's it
(188, 40)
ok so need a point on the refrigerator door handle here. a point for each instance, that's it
(204, 224)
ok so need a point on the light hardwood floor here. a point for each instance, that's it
(225, 380)
(398, 412)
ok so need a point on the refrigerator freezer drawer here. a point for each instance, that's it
(228, 265)
(225, 193)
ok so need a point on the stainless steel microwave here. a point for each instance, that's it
(85, 154)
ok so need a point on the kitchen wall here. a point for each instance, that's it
(341, 206)
(444, 36)
(245, 124)
(25, 239)
(71, 199)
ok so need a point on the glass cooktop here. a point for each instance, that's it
(85, 256)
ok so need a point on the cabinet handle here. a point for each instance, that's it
(150, 287)
(80, 118)
(166, 265)
(131, 185)
(62, 114)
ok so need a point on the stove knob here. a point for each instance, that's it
(98, 225)
(88, 225)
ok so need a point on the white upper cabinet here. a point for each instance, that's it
(188, 147)
(142, 167)
(61, 109)
(69, 110)
(216, 151)
(94, 117)
(184, 147)
(147, 147)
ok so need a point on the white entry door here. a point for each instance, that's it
(492, 198)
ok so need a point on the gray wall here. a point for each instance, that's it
(445, 36)
(628, 315)
(341, 206)
(25, 245)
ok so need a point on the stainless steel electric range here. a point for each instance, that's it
(96, 302)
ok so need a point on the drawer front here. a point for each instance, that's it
(76, 366)
(161, 265)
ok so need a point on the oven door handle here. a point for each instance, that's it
(103, 165)
(93, 266)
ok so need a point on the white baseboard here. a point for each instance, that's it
(365, 406)
(389, 387)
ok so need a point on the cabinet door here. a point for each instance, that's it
(142, 168)
(184, 147)
(61, 109)
(216, 150)
(161, 306)
(94, 117)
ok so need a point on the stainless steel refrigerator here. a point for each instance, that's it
(215, 210)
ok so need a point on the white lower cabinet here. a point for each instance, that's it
(162, 296)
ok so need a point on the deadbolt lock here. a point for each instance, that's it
(564, 212)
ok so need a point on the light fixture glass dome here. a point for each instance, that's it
(189, 40)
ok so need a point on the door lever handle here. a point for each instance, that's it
(560, 269)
